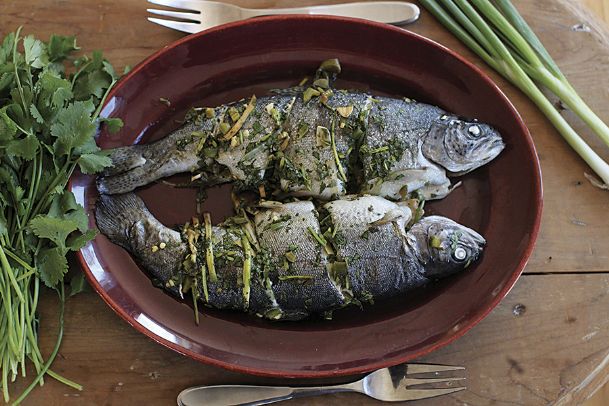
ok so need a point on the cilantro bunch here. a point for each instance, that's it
(49, 114)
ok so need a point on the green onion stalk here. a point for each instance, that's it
(502, 38)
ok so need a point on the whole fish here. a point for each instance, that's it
(314, 141)
(293, 259)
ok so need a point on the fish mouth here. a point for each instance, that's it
(476, 238)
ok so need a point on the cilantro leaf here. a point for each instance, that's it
(54, 229)
(6, 81)
(3, 223)
(16, 113)
(35, 52)
(64, 206)
(52, 265)
(93, 83)
(93, 163)
(89, 147)
(68, 202)
(8, 128)
(79, 284)
(25, 148)
(61, 47)
(109, 69)
(6, 49)
(79, 217)
(73, 127)
(36, 114)
(75, 243)
(113, 125)
(53, 93)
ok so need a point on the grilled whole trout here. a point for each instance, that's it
(293, 259)
(314, 141)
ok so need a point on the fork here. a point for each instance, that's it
(200, 15)
(388, 384)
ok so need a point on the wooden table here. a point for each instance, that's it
(555, 350)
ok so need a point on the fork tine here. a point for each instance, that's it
(175, 14)
(414, 394)
(175, 25)
(192, 5)
(424, 368)
(420, 381)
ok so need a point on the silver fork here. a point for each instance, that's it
(388, 384)
(199, 15)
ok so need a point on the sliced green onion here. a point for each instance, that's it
(321, 240)
(237, 126)
(339, 165)
(195, 297)
(209, 248)
(289, 277)
(204, 281)
(247, 269)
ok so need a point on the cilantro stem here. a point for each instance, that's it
(103, 100)
(62, 176)
(16, 258)
(80, 70)
(15, 65)
(47, 364)
(10, 274)
(33, 191)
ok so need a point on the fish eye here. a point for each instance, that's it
(459, 254)
(474, 130)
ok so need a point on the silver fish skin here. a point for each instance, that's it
(300, 280)
(348, 142)
(374, 253)
(369, 238)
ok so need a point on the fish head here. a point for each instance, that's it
(461, 146)
(443, 246)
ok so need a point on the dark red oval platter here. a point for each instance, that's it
(502, 200)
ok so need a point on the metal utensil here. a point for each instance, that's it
(199, 15)
(387, 384)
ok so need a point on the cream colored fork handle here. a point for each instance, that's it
(255, 395)
(390, 12)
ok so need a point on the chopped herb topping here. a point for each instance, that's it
(435, 242)
(290, 277)
(322, 82)
(209, 248)
(322, 137)
(339, 165)
(239, 123)
(309, 93)
(345, 111)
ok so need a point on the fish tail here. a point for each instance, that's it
(139, 165)
(125, 159)
(115, 214)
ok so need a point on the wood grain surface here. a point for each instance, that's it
(556, 351)
(600, 8)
